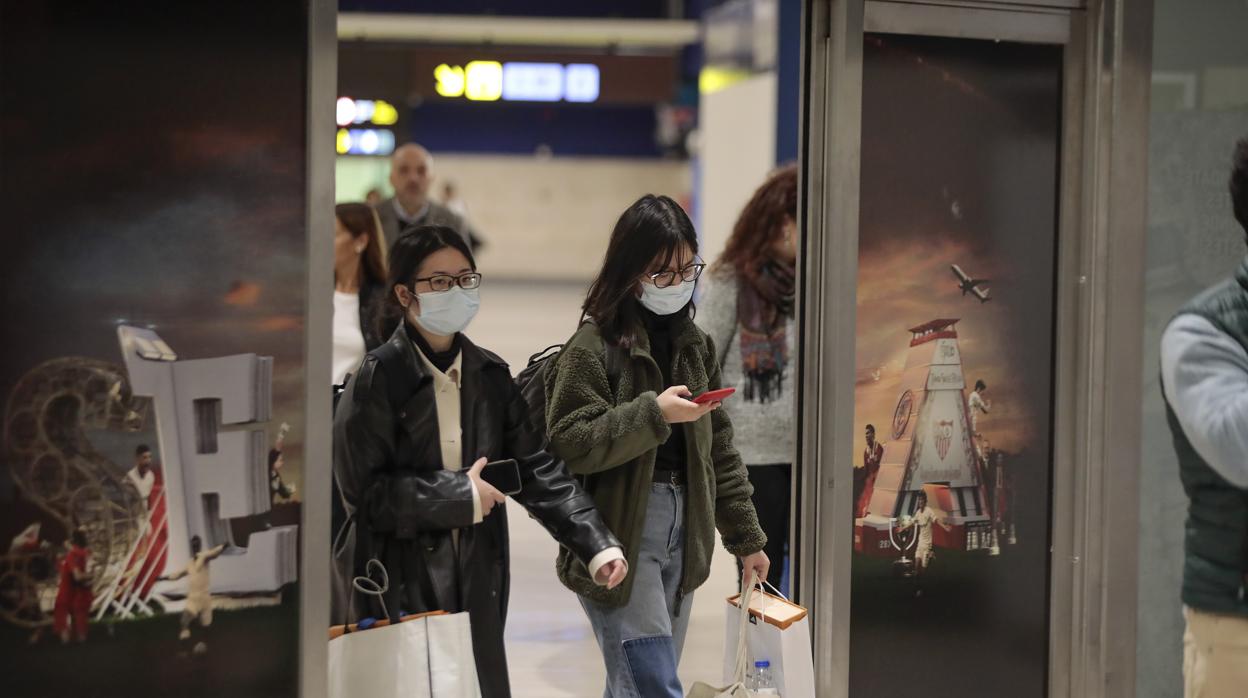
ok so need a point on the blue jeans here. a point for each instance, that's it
(641, 642)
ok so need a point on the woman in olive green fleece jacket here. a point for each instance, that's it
(661, 469)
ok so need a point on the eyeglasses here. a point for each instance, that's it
(663, 279)
(445, 282)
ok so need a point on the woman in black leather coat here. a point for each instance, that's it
(412, 484)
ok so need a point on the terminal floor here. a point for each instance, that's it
(550, 647)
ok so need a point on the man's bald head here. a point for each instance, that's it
(411, 173)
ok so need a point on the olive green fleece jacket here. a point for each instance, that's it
(609, 434)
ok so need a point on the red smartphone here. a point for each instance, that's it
(714, 395)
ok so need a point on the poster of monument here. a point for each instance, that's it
(152, 381)
(954, 361)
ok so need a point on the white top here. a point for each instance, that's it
(142, 483)
(923, 520)
(977, 405)
(450, 429)
(1204, 374)
(348, 339)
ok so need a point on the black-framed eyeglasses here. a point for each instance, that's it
(445, 282)
(663, 279)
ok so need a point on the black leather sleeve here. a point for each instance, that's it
(398, 500)
(549, 492)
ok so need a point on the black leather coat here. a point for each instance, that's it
(404, 505)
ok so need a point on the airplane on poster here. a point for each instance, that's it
(966, 283)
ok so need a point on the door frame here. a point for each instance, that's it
(321, 89)
(1099, 317)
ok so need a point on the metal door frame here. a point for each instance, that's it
(321, 80)
(1099, 317)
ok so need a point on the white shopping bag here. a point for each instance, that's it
(734, 664)
(422, 656)
(778, 632)
(426, 657)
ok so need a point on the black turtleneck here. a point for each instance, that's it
(671, 454)
(441, 360)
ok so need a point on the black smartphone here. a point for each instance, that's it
(504, 475)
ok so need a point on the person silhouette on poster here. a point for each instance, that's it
(872, 456)
(141, 475)
(73, 595)
(978, 405)
(198, 597)
(922, 520)
(277, 487)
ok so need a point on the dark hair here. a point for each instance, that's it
(274, 454)
(980, 385)
(1239, 183)
(195, 540)
(411, 250)
(653, 228)
(871, 427)
(78, 538)
(361, 219)
(141, 449)
(761, 221)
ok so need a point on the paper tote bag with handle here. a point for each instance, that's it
(736, 686)
(778, 632)
(427, 657)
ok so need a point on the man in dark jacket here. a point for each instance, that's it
(417, 517)
(1204, 373)
(411, 175)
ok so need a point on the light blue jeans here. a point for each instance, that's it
(642, 641)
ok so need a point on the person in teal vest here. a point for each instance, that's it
(1204, 374)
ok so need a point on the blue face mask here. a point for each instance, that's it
(448, 312)
(666, 301)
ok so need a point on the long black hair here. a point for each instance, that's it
(409, 252)
(653, 228)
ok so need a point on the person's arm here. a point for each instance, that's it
(586, 429)
(1204, 375)
(735, 516)
(214, 553)
(177, 575)
(551, 495)
(404, 502)
(717, 311)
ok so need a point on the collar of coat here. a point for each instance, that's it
(684, 334)
(473, 359)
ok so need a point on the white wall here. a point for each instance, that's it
(736, 149)
(544, 218)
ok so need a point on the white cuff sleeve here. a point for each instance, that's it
(602, 558)
(477, 516)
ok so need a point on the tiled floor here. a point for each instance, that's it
(551, 651)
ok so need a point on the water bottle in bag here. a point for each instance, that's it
(761, 681)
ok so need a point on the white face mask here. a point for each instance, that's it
(448, 312)
(665, 301)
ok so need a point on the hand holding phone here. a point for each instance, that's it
(504, 475)
(713, 396)
(489, 494)
(678, 407)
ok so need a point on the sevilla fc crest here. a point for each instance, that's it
(944, 437)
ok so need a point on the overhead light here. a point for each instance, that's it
(345, 111)
(449, 80)
(365, 141)
(518, 81)
(483, 81)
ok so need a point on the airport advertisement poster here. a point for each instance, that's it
(153, 373)
(955, 345)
